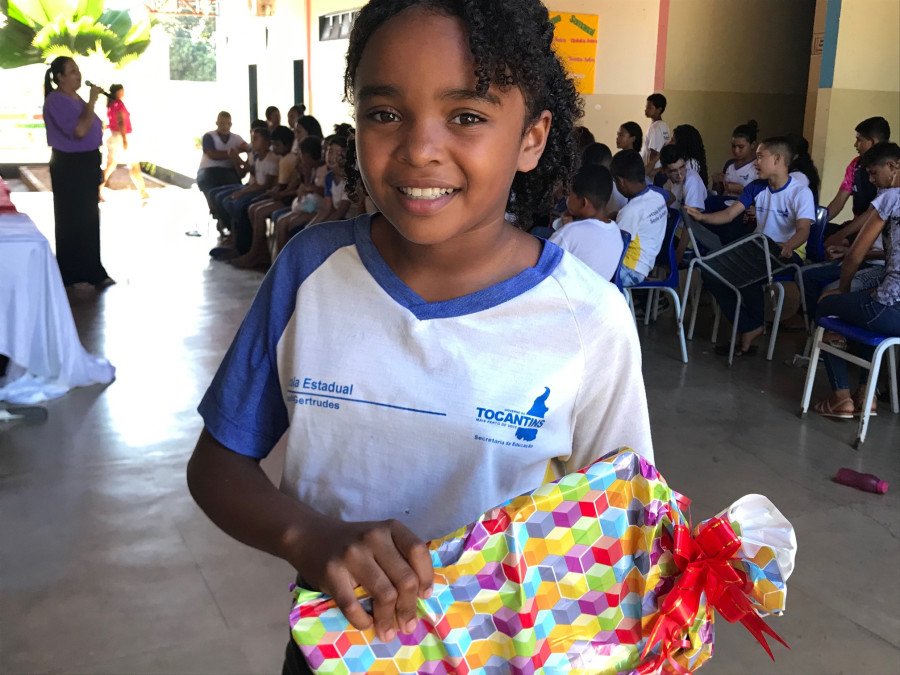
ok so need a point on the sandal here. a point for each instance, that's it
(825, 409)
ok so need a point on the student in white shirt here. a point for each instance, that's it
(643, 217)
(740, 170)
(684, 183)
(592, 238)
(600, 155)
(657, 135)
(784, 213)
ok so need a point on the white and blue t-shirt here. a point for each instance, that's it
(690, 192)
(777, 211)
(644, 218)
(743, 175)
(427, 412)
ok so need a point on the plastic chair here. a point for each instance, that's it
(668, 284)
(882, 344)
(740, 264)
(617, 277)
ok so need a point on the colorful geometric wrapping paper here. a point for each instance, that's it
(566, 579)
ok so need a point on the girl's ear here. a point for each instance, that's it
(533, 142)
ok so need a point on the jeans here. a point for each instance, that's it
(213, 177)
(629, 277)
(862, 310)
(818, 278)
(217, 197)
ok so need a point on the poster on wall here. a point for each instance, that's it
(575, 38)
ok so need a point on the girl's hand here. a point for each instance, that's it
(385, 558)
(786, 251)
(694, 213)
(836, 252)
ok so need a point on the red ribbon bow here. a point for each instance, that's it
(705, 564)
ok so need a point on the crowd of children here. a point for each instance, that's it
(398, 442)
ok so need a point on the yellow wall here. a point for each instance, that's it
(866, 83)
(726, 64)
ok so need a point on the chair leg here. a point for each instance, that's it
(811, 371)
(718, 317)
(734, 329)
(696, 302)
(895, 395)
(679, 323)
(630, 300)
(779, 305)
(871, 386)
(648, 307)
(656, 295)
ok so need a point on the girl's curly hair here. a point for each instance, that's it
(512, 45)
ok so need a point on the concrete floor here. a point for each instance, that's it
(107, 566)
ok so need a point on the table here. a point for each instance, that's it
(37, 331)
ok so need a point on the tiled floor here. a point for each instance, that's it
(107, 566)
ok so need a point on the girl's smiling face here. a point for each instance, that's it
(437, 158)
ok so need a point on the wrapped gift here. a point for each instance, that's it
(597, 572)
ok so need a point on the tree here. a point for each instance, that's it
(36, 31)
(192, 47)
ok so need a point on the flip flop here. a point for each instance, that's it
(825, 409)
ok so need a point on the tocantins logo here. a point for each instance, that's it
(526, 425)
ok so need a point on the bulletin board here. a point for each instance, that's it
(575, 39)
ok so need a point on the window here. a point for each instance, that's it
(336, 26)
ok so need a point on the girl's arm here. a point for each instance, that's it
(873, 224)
(334, 556)
(800, 237)
(120, 118)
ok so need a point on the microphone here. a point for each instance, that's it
(102, 90)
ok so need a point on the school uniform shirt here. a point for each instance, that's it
(265, 167)
(887, 204)
(595, 243)
(691, 192)
(428, 412)
(743, 175)
(644, 218)
(212, 141)
(656, 137)
(616, 200)
(287, 168)
(856, 182)
(777, 211)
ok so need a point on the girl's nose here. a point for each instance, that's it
(421, 142)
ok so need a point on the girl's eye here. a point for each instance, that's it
(383, 116)
(467, 119)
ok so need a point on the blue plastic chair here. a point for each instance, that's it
(617, 277)
(668, 284)
(882, 344)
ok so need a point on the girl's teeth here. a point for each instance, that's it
(425, 193)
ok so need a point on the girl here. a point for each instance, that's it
(740, 170)
(802, 168)
(393, 353)
(117, 151)
(876, 310)
(630, 137)
(690, 146)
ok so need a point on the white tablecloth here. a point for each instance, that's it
(37, 331)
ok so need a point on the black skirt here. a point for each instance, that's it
(76, 178)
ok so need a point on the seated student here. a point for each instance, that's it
(263, 175)
(592, 237)
(630, 136)
(802, 168)
(643, 217)
(310, 159)
(878, 310)
(690, 145)
(684, 183)
(657, 134)
(599, 154)
(273, 118)
(216, 165)
(784, 213)
(740, 170)
(856, 183)
(334, 204)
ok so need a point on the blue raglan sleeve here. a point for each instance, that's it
(748, 195)
(244, 408)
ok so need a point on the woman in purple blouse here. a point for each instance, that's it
(74, 132)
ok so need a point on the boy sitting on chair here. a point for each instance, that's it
(784, 213)
(592, 237)
(643, 217)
